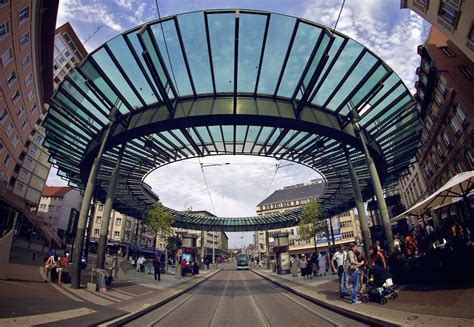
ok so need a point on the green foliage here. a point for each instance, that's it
(159, 220)
(173, 244)
(312, 220)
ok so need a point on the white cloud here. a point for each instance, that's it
(54, 179)
(393, 36)
(126, 4)
(87, 11)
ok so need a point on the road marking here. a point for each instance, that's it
(220, 302)
(120, 296)
(45, 317)
(256, 305)
(126, 293)
(88, 296)
(66, 293)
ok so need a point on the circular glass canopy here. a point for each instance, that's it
(238, 82)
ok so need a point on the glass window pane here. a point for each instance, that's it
(177, 65)
(193, 32)
(305, 40)
(127, 61)
(251, 32)
(222, 36)
(279, 34)
(345, 60)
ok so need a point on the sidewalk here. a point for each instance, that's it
(416, 305)
(26, 300)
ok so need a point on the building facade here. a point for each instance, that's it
(446, 105)
(68, 52)
(26, 43)
(57, 206)
(454, 18)
(345, 226)
(412, 187)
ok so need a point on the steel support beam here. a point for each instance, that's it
(86, 201)
(374, 176)
(109, 200)
(359, 205)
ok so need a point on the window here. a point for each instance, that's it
(433, 159)
(34, 107)
(461, 115)
(26, 61)
(101, 208)
(3, 115)
(1, 147)
(38, 139)
(442, 86)
(458, 167)
(440, 151)
(9, 129)
(438, 99)
(118, 221)
(447, 52)
(455, 126)
(7, 56)
(31, 94)
(96, 231)
(24, 39)
(28, 79)
(446, 140)
(24, 124)
(4, 29)
(23, 14)
(448, 12)
(16, 96)
(116, 234)
(470, 159)
(429, 124)
(67, 54)
(33, 150)
(466, 72)
(20, 111)
(11, 79)
(98, 220)
(6, 160)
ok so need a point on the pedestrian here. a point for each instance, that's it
(377, 257)
(354, 265)
(62, 263)
(157, 267)
(195, 269)
(342, 264)
(183, 267)
(314, 264)
(303, 265)
(49, 265)
(206, 262)
(322, 263)
(141, 264)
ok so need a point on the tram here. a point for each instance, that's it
(242, 261)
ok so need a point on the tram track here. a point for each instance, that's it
(257, 307)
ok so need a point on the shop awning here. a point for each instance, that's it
(458, 186)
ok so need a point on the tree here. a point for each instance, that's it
(173, 244)
(160, 220)
(312, 221)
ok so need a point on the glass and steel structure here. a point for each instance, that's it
(234, 82)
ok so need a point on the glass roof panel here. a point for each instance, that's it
(240, 133)
(251, 32)
(222, 34)
(315, 62)
(305, 40)
(95, 77)
(193, 33)
(176, 67)
(106, 64)
(357, 75)
(344, 62)
(96, 114)
(279, 35)
(383, 104)
(125, 58)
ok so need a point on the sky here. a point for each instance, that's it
(234, 189)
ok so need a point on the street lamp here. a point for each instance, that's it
(211, 165)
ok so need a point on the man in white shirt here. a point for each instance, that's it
(340, 257)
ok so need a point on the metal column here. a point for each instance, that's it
(86, 201)
(359, 205)
(104, 225)
(267, 250)
(377, 187)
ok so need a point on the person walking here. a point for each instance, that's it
(354, 265)
(342, 264)
(157, 267)
(303, 265)
(322, 259)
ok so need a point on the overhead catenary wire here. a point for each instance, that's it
(277, 166)
(207, 186)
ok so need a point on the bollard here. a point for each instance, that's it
(294, 269)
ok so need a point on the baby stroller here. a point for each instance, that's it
(378, 286)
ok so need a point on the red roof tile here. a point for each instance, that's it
(58, 191)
